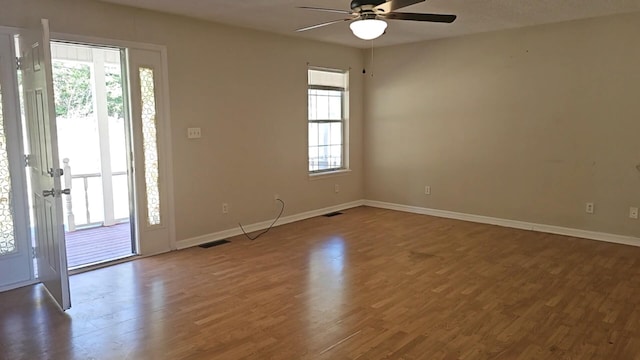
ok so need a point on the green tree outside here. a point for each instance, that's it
(73, 95)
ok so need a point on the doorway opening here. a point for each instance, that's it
(38, 217)
(94, 151)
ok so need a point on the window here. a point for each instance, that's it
(150, 145)
(327, 118)
(7, 237)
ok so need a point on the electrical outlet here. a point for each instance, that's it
(194, 133)
(336, 188)
(633, 212)
(225, 208)
(427, 190)
(589, 208)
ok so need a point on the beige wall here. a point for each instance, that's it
(246, 90)
(526, 124)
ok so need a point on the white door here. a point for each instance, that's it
(15, 248)
(43, 163)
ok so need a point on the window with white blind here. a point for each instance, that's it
(327, 119)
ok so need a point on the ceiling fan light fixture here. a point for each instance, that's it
(368, 29)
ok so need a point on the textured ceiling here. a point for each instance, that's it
(474, 16)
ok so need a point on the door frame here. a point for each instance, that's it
(23, 216)
(164, 131)
(15, 152)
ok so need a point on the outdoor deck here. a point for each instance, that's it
(98, 244)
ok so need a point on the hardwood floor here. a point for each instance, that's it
(368, 284)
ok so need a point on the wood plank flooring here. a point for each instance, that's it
(368, 284)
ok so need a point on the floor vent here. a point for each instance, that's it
(214, 243)
(331, 214)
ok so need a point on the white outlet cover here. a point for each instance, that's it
(589, 208)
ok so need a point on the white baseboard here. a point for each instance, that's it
(18, 285)
(551, 229)
(203, 239)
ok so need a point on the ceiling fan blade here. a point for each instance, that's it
(441, 18)
(323, 24)
(325, 10)
(394, 5)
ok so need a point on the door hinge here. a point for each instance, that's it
(18, 63)
(27, 160)
(33, 252)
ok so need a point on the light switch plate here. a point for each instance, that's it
(194, 133)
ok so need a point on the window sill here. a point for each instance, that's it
(329, 174)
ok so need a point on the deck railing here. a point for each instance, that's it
(88, 193)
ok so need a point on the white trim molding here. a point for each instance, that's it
(551, 229)
(203, 239)
(98, 41)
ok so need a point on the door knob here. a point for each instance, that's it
(46, 193)
(66, 191)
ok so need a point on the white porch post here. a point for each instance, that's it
(102, 112)
(71, 219)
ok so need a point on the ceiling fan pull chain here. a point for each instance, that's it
(371, 58)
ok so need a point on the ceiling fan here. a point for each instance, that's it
(367, 16)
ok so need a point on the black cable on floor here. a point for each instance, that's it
(270, 226)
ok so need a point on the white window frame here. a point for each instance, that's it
(344, 163)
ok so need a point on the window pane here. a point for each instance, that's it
(7, 235)
(336, 134)
(313, 158)
(323, 107)
(150, 145)
(313, 105)
(335, 156)
(323, 158)
(324, 130)
(313, 134)
(335, 106)
(320, 158)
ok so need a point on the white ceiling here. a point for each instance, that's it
(474, 16)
